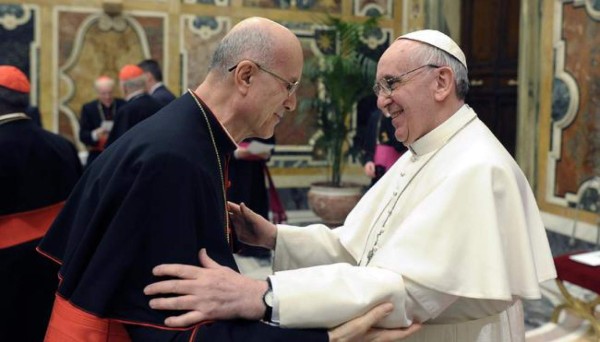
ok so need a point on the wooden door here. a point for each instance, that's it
(490, 40)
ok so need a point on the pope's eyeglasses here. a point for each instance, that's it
(289, 86)
(387, 85)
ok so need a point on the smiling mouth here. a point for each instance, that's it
(395, 114)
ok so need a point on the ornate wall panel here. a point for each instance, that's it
(80, 42)
(19, 41)
(208, 2)
(328, 6)
(363, 8)
(573, 151)
(199, 38)
(91, 43)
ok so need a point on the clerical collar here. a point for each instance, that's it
(208, 110)
(441, 134)
(135, 94)
(10, 117)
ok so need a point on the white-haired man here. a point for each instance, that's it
(96, 117)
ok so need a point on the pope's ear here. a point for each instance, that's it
(444, 83)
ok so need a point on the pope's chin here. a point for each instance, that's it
(400, 138)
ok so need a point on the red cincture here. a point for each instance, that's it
(19, 228)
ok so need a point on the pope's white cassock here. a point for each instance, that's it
(451, 235)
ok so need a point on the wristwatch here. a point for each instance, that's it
(268, 301)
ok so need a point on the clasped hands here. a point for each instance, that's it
(214, 292)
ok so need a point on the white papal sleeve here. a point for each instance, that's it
(313, 245)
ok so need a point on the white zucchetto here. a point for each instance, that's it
(439, 40)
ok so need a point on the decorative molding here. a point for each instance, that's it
(565, 104)
(108, 22)
(362, 8)
(205, 27)
(94, 18)
(13, 16)
(105, 23)
(221, 3)
(592, 7)
(34, 56)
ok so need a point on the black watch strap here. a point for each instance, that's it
(268, 301)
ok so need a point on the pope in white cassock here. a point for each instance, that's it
(451, 234)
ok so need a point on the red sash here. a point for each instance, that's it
(27, 226)
(101, 144)
(71, 324)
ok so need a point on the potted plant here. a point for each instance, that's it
(343, 79)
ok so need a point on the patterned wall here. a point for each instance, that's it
(19, 41)
(90, 44)
(78, 42)
(573, 152)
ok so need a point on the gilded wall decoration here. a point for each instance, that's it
(199, 38)
(90, 44)
(208, 2)
(327, 6)
(574, 152)
(370, 8)
(19, 41)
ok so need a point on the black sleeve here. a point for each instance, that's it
(120, 126)
(228, 331)
(86, 126)
(371, 137)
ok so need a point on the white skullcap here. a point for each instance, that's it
(439, 40)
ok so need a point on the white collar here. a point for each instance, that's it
(440, 135)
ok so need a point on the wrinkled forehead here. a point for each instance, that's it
(105, 88)
(289, 56)
(400, 56)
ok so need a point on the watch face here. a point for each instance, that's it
(269, 298)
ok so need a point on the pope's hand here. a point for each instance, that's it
(251, 228)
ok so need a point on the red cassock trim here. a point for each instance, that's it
(71, 324)
(27, 226)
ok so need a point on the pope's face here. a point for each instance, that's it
(410, 101)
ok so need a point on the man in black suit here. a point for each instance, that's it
(139, 104)
(97, 117)
(154, 85)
